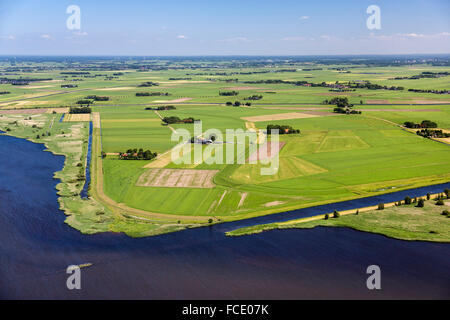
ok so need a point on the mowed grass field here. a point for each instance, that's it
(334, 158)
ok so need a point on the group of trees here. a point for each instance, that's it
(173, 119)
(4, 92)
(84, 102)
(78, 110)
(346, 85)
(135, 154)
(346, 111)
(342, 105)
(148, 84)
(97, 98)
(282, 129)
(68, 86)
(435, 91)
(151, 94)
(420, 202)
(372, 86)
(161, 108)
(254, 97)
(76, 73)
(426, 133)
(22, 81)
(426, 74)
(228, 93)
(237, 104)
(339, 102)
(423, 124)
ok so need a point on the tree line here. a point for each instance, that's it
(135, 154)
(97, 98)
(161, 108)
(151, 94)
(237, 104)
(427, 133)
(79, 110)
(228, 93)
(423, 124)
(174, 119)
(148, 84)
(282, 129)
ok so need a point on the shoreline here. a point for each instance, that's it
(171, 225)
(296, 223)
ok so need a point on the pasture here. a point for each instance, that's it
(335, 157)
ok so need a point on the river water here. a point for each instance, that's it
(36, 247)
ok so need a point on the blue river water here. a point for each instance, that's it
(84, 191)
(36, 246)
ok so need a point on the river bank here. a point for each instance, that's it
(320, 263)
(71, 140)
(404, 222)
(98, 213)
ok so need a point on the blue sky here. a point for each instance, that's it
(246, 27)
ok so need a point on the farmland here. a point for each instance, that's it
(405, 222)
(335, 157)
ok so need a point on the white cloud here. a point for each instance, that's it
(410, 36)
(10, 37)
(235, 39)
(46, 36)
(181, 36)
(293, 39)
(304, 17)
(80, 33)
(326, 37)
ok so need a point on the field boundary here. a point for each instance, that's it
(120, 208)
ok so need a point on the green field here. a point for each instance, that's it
(407, 222)
(334, 158)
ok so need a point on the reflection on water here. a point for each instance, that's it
(36, 247)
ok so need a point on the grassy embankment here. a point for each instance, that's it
(334, 159)
(70, 140)
(405, 222)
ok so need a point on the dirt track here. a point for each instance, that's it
(119, 208)
(177, 178)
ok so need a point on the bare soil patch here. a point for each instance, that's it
(57, 110)
(23, 111)
(83, 117)
(265, 152)
(177, 178)
(24, 103)
(173, 101)
(273, 203)
(35, 87)
(243, 197)
(96, 123)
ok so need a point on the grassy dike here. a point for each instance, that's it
(405, 222)
(70, 139)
